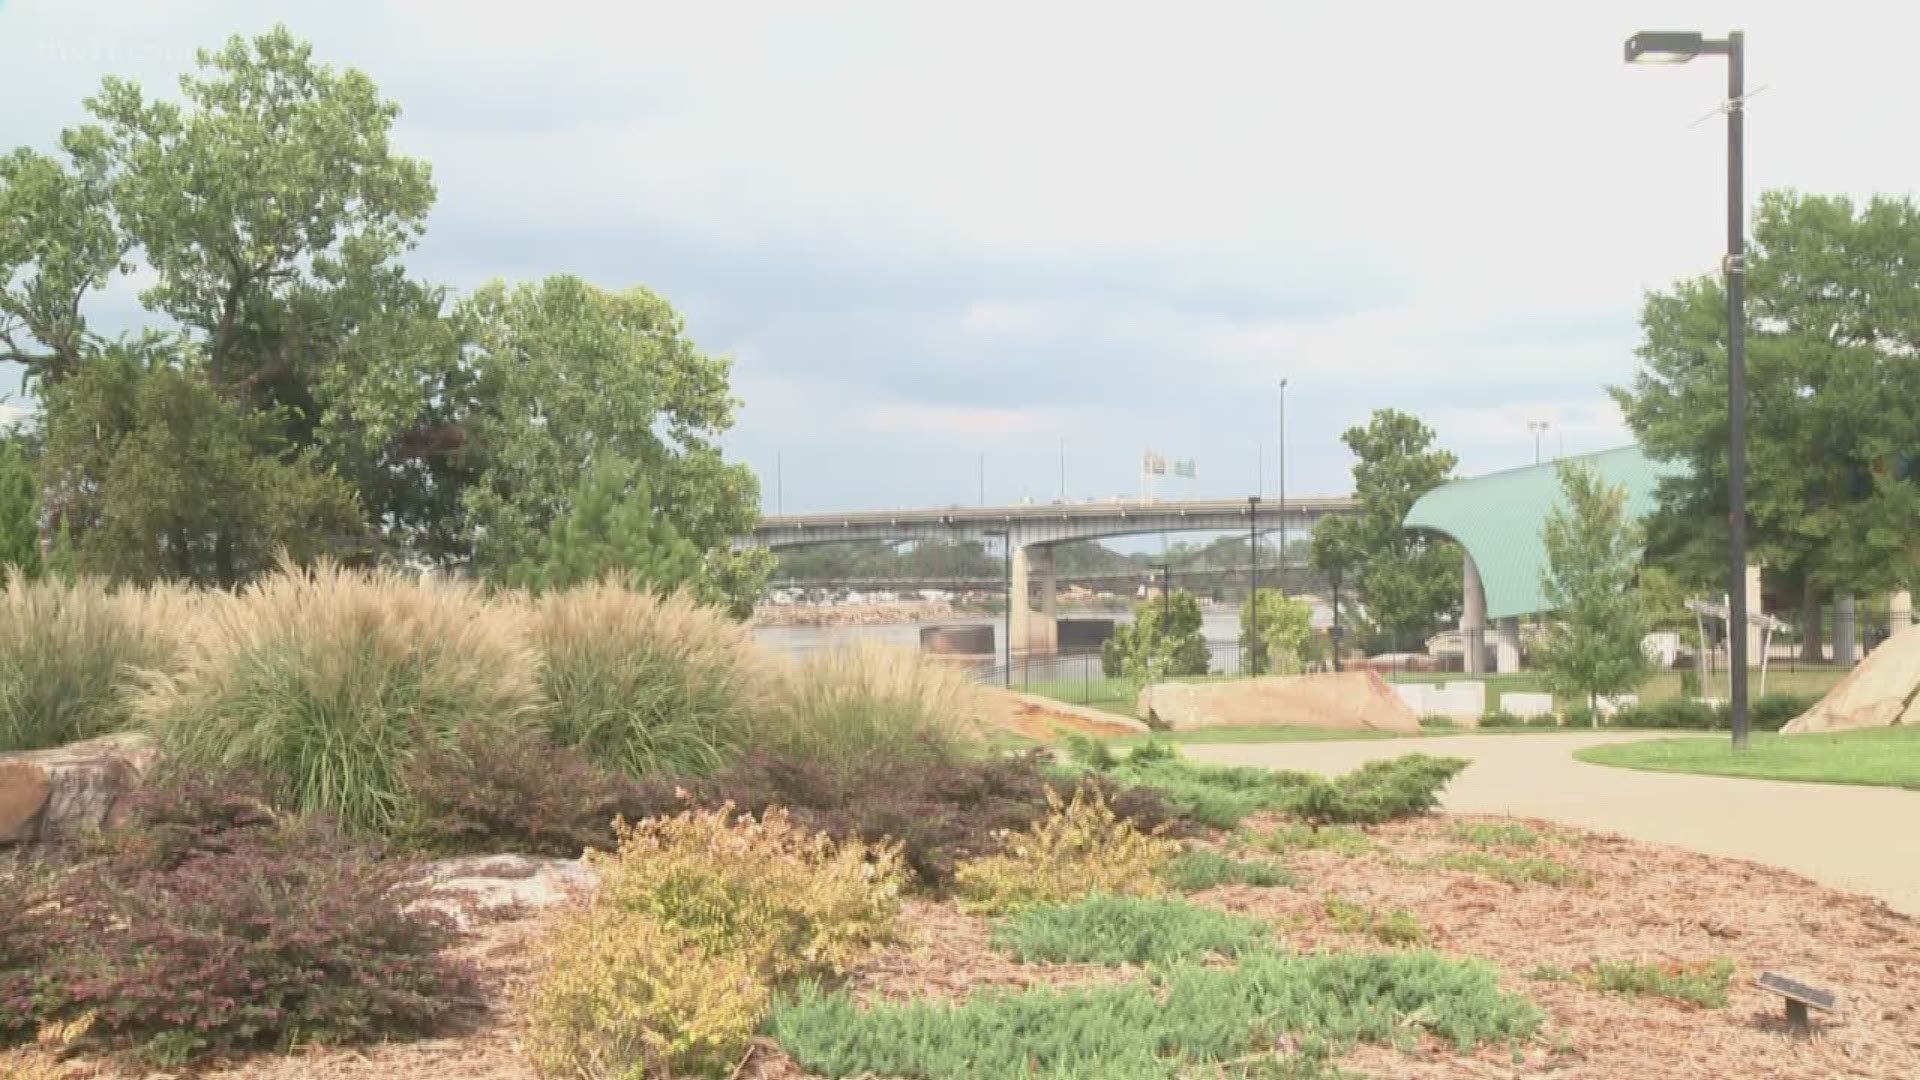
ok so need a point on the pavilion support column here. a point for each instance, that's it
(1019, 610)
(1473, 618)
(1756, 605)
(1506, 646)
(1846, 635)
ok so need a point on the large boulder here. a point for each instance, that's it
(1350, 700)
(1882, 691)
(70, 790)
(1045, 719)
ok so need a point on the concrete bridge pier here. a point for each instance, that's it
(1035, 632)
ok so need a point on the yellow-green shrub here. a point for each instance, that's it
(671, 967)
(626, 996)
(1080, 847)
(845, 703)
(797, 903)
(644, 683)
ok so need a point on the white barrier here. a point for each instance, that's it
(1526, 706)
(1463, 702)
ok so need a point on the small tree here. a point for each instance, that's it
(19, 511)
(1593, 550)
(612, 525)
(1286, 633)
(1164, 640)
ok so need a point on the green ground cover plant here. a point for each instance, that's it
(1288, 837)
(1188, 1016)
(1532, 870)
(1884, 757)
(1200, 868)
(1222, 796)
(1104, 929)
(1391, 927)
(1699, 984)
(1488, 834)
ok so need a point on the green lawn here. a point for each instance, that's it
(1887, 757)
(1258, 735)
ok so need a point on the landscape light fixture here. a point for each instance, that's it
(1674, 47)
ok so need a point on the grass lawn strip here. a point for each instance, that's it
(1882, 757)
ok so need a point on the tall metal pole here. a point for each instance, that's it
(983, 478)
(779, 485)
(1283, 485)
(1063, 470)
(1253, 582)
(1737, 383)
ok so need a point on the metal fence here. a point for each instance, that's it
(1802, 662)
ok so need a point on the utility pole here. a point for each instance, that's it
(983, 478)
(779, 485)
(1536, 426)
(1063, 470)
(1283, 485)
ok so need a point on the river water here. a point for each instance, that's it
(1219, 624)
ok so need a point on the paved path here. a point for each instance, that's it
(1861, 839)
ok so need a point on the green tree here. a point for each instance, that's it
(1833, 380)
(19, 509)
(272, 213)
(1286, 633)
(1165, 640)
(611, 525)
(1593, 646)
(565, 372)
(158, 475)
(1407, 582)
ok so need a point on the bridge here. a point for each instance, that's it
(1030, 531)
(1102, 579)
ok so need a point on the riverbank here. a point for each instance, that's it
(875, 614)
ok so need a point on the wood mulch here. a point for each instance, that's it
(1644, 903)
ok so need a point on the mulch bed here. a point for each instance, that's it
(1644, 903)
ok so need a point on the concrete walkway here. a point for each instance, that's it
(1860, 839)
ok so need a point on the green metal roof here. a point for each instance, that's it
(1498, 518)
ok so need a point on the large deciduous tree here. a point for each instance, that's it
(270, 215)
(1592, 647)
(1833, 380)
(566, 374)
(1408, 581)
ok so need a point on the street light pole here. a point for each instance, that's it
(1536, 426)
(1679, 47)
(1283, 485)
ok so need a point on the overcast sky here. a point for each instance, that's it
(926, 231)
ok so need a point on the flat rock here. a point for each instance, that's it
(71, 790)
(475, 887)
(1349, 700)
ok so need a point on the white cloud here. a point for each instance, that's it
(988, 318)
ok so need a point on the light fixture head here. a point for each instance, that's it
(1665, 46)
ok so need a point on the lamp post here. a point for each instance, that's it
(1678, 47)
(1283, 485)
(1536, 426)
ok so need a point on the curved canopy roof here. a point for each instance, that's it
(1498, 518)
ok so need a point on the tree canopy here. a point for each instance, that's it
(1408, 581)
(1833, 382)
(294, 384)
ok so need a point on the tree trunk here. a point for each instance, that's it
(1812, 640)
